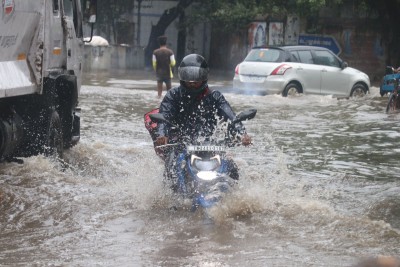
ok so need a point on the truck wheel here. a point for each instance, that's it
(53, 137)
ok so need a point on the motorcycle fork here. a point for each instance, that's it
(180, 172)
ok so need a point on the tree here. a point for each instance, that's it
(223, 15)
(165, 20)
(230, 21)
(237, 14)
(109, 12)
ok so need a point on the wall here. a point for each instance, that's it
(113, 57)
(224, 50)
(150, 13)
(361, 46)
(198, 39)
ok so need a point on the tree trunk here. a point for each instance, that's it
(180, 50)
(139, 21)
(166, 19)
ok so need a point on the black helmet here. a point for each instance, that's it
(193, 68)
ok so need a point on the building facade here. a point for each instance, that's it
(340, 30)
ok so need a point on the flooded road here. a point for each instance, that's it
(319, 187)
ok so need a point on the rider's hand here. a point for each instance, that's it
(161, 140)
(246, 140)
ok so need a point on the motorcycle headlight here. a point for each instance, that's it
(207, 175)
(209, 164)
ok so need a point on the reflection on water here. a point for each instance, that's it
(319, 187)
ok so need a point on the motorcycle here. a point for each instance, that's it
(390, 85)
(393, 104)
(388, 82)
(200, 170)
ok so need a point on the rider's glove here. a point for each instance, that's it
(161, 140)
(246, 140)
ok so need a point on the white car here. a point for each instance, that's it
(290, 70)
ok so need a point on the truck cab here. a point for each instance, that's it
(41, 59)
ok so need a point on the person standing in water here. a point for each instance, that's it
(163, 62)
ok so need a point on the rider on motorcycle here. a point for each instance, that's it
(193, 106)
(195, 109)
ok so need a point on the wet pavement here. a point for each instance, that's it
(319, 187)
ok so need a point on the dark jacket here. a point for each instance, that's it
(195, 116)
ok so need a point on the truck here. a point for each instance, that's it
(41, 57)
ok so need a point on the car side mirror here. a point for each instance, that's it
(344, 65)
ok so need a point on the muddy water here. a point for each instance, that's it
(320, 187)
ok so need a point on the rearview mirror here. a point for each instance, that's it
(157, 117)
(90, 11)
(245, 115)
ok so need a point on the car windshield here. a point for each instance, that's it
(264, 55)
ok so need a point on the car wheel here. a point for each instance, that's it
(358, 90)
(291, 89)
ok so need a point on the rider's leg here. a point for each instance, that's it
(233, 169)
(170, 173)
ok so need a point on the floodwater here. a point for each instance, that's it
(319, 187)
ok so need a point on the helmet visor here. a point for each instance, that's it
(193, 85)
(193, 74)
